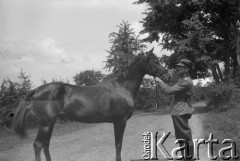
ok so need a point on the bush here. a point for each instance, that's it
(146, 99)
(163, 98)
(199, 93)
(10, 94)
(219, 96)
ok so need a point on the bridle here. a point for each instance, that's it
(151, 65)
(159, 72)
(162, 72)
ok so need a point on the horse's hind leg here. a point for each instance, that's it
(42, 141)
(119, 127)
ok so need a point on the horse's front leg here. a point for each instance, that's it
(119, 127)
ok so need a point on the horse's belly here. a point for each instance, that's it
(88, 117)
(88, 113)
(103, 109)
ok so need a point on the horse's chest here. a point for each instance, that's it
(122, 104)
(123, 97)
(128, 101)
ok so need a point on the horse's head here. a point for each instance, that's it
(154, 68)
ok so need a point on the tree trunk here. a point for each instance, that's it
(157, 97)
(219, 72)
(226, 32)
(237, 80)
(215, 74)
(227, 69)
(235, 66)
(226, 59)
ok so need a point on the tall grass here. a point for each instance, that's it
(224, 122)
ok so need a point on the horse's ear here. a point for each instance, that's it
(151, 51)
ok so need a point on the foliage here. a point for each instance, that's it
(224, 123)
(219, 95)
(88, 78)
(10, 94)
(125, 45)
(25, 83)
(146, 97)
(147, 83)
(202, 31)
(199, 93)
(60, 80)
(163, 98)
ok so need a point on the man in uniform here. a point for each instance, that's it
(181, 109)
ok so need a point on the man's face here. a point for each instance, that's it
(181, 70)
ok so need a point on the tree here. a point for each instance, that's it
(60, 80)
(125, 45)
(88, 78)
(25, 83)
(10, 94)
(203, 31)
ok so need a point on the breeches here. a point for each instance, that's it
(183, 131)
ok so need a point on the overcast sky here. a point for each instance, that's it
(59, 38)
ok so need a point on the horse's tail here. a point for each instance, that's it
(18, 123)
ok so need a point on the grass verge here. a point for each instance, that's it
(223, 125)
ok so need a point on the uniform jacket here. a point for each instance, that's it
(181, 92)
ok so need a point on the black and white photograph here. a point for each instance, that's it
(119, 80)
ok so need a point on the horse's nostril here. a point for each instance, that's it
(11, 114)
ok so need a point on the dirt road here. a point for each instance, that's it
(96, 143)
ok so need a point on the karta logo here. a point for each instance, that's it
(152, 146)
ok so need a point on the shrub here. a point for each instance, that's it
(163, 98)
(219, 95)
(10, 94)
(145, 98)
(199, 93)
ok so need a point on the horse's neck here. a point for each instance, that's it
(133, 79)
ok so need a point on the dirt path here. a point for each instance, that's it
(96, 143)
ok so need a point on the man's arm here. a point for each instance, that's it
(179, 87)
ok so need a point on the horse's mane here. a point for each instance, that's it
(122, 73)
(139, 59)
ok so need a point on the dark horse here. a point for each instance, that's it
(109, 101)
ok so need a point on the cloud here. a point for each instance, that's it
(96, 3)
(49, 51)
(123, 5)
(137, 26)
(43, 51)
(40, 58)
(89, 61)
(59, 37)
(45, 59)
